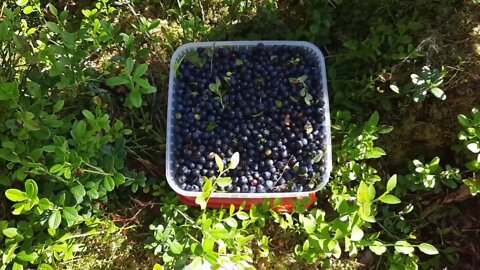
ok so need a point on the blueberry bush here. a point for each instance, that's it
(83, 113)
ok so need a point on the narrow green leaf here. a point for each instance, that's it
(463, 120)
(394, 88)
(28, 9)
(31, 189)
(231, 222)
(21, 2)
(54, 220)
(27, 257)
(390, 199)
(427, 249)
(70, 213)
(362, 192)
(223, 181)
(58, 106)
(234, 160)
(219, 162)
(119, 179)
(309, 225)
(357, 233)
(10, 232)
(15, 195)
(474, 147)
(377, 248)
(437, 92)
(118, 80)
(373, 120)
(129, 65)
(78, 192)
(392, 183)
(242, 215)
(108, 183)
(135, 98)
(140, 70)
(404, 247)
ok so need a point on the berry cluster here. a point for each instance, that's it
(265, 103)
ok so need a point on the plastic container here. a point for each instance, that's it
(218, 199)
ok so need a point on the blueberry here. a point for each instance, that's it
(259, 120)
(269, 184)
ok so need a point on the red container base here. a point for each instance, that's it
(286, 205)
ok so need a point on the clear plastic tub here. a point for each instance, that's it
(220, 198)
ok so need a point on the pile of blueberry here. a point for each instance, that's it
(265, 103)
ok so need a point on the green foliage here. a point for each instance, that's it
(64, 139)
(427, 81)
(60, 155)
(470, 138)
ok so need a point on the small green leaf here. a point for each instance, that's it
(362, 192)
(302, 78)
(79, 130)
(437, 92)
(17, 266)
(45, 267)
(427, 249)
(463, 120)
(392, 183)
(318, 157)
(211, 126)
(278, 104)
(201, 200)
(15, 195)
(9, 90)
(119, 80)
(119, 179)
(219, 162)
(54, 220)
(373, 120)
(309, 225)
(53, 27)
(78, 192)
(31, 189)
(21, 2)
(242, 215)
(234, 160)
(404, 247)
(377, 248)
(357, 233)
(231, 222)
(108, 183)
(53, 9)
(140, 70)
(9, 155)
(10, 232)
(474, 147)
(375, 152)
(89, 116)
(308, 127)
(223, 181)
(28, 9)
(70, 213)
(394, 88)
(135, 98)
(58, 106)
(390, 199)
(129, 65)
(27, 257)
